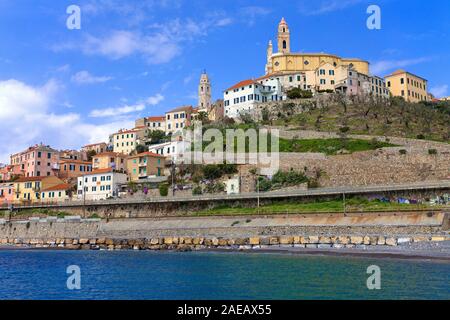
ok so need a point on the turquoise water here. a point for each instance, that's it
(206, 275)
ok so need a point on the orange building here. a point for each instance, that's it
(69, 169)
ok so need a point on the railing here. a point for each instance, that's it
(246, 196)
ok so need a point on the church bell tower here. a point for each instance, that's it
(284, 37)
(204, 93)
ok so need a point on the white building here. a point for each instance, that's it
(175, 150)
(100, 184)
(243, 96)
(232, 185)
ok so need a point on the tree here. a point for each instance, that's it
(297, 93)
(157, 136)
(91, 154)
(163, 189)
(140, 148)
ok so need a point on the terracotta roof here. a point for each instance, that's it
(93, 144)
(148, 153)
(99, 171)
(401, 71)
(182, 108)
(242, 84)
(74, 161)
(126, 131)
(62, 186)
(30, 179)
(154, 119)
(110, 154)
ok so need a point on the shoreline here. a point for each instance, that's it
(401, 252)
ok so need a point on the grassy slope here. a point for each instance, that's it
(329, 146)
(398, 120)
(352, 205)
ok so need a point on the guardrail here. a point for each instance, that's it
(242, 196)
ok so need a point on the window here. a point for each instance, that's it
(389, 84)
(284, 43)
(322, 81)
(331, 72)
(402, 81)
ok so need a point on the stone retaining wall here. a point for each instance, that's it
(188, 243)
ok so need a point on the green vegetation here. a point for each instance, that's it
(352, 205)
(41, 212)
(140, 148)
(94, 216)
(157, 136)
(297, 93)
(371, 116)
(197, 191)
(216, 171)
(282, 179)
(163, 189)
(330, 146)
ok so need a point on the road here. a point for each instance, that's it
(360, 190)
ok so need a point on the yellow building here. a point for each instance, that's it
(59, 193)
(28, 189)
(113, 160)
(125, 141)
(178, 119)
(285, 61)
(145, 165)
(407, 85)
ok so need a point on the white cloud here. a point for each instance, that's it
(154, 100)
(251, 13)
(84, 77)
(27, 118)
(387, 65)
(324, 7)
(162, 43)
(440, 91)
(111, 112)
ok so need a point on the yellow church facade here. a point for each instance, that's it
(284, 61)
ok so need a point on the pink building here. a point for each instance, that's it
(6, 193)
(36, 161)
(6, 173)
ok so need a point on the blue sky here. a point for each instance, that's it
(137, 58)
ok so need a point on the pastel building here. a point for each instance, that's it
(174, 150)
(58, 193)
(36, 161)
(178, 119)
(125, 141)
(285, 61)
(152, 123)
(96, 147)
(110, 160)
(70, 169)
(243, 96)
(407, 85)
(6, 173)
(100, 184)
(145, 165)
(28, 189)
(6, 193)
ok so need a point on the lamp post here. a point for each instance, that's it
(343, 200)
(173, 178)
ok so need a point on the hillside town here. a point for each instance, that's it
(142, 160)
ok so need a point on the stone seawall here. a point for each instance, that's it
(316, 231)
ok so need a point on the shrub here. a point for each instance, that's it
(402, 151)
(197, 190)
(420, 136)
(297, 93)
(163, 190)
(432, 151)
